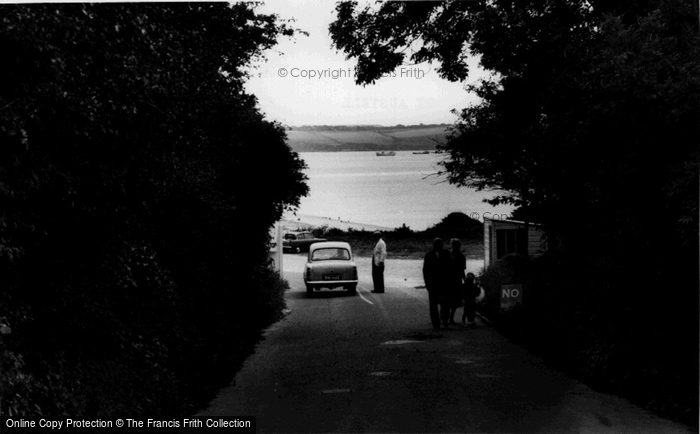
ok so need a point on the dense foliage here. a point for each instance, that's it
(589, 124)
(458, 225)
(138, 182)
(405, 243)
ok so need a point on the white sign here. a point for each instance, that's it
(511, 296)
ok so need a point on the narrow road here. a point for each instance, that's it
(373, 363)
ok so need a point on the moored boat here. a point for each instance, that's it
(386, 153)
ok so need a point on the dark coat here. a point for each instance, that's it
(470, 290)
(436, 270)
(457, 268)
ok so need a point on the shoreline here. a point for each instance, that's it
(303, 221)
(411, 245)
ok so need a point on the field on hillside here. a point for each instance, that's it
(367, 139)
(412, 133)
(349, 137)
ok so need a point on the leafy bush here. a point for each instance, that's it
(128, 146)
(591, 329)
(403, 242)
(458, 225)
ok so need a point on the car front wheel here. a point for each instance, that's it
(352, 289)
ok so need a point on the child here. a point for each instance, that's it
(470, 292)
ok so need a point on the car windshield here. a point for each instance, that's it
(330, 254)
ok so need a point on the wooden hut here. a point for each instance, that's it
(502, 237)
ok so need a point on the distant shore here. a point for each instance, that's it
(299, 221)
(328, 138)
(404, 245)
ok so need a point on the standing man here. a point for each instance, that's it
(436, 273)
(378, 259)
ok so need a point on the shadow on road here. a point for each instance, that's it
(322, 294)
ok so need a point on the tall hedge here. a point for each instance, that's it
(138, 182)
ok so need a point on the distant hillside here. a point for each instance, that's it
(365, 137)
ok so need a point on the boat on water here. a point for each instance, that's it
(421, 152)
(386, 153)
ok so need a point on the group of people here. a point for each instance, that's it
(449, 285)
(444, 272)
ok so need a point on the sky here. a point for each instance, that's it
(298, 86)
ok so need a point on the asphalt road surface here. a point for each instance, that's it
(373, 363)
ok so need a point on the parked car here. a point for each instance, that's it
(330, 265)
(299, 241)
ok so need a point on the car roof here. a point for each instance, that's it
(330, 245)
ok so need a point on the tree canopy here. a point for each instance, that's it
(588, 123)
(590, 111)
(138, 183)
